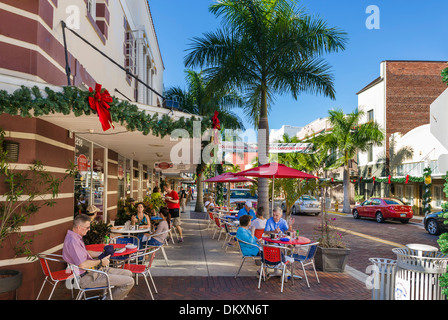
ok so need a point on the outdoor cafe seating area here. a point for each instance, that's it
(279, 254)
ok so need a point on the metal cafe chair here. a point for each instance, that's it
(244, 257)
(77, 271)
(273, 257)
(161, 246)
(306, 259)
(143, 269)
(53, 277)
(230, 230)
(218, 226)
(258, 233)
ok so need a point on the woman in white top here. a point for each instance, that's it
(163, 226)
(259, 222)
(209, 204)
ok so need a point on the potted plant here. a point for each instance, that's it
(98, 231)
(24, 195)
(332, 252)
(125, 210)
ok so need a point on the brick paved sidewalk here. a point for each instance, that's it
(333, 286)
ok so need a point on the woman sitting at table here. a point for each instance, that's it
(156, 238)
(209, 204)
(244, 234)
(141, 218)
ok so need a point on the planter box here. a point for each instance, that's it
(10, 280)
(331, 259)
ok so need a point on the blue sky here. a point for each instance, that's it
(409, 30)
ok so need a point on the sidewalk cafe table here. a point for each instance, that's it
(292, 242)
(288, 242)
(100, 248)
(123, 230)
(227, 211)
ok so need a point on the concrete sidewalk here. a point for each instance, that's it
(199, 254)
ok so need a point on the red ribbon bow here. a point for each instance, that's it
(407, 178)
(215, 121)
(99, 102)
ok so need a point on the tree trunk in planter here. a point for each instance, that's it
(331, 259)
(10, 280)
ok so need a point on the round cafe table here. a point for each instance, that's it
(294, 242)
(123, 230)
(100, 248)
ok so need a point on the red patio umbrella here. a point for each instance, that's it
(275, 170)
(228, 177)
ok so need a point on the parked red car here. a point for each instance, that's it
(383, 208)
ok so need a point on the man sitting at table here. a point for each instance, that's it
(247, 210)
(244, 234)
(276, 223)
(74, 252)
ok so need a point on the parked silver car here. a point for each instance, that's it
(305, 204)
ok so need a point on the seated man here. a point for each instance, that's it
(276, 223)
(243, 233)
(247, 209)
(75, 252)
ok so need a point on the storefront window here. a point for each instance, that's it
(121, 168)
(98, 179)
(84, 177)
(128, 179)
(89, 183)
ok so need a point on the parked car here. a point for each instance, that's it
(434, 224)
(240, 196)
(382, 209)
(305, 204)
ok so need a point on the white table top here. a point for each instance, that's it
(122, 229)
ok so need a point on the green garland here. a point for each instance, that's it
(380, 180)
(29, 102)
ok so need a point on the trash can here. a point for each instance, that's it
(419, 268)
(383, 276)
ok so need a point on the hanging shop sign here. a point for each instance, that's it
(163, 165)
(82, 163)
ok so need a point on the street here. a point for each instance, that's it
(367, 238)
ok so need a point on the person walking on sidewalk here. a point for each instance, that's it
(183, 199)
(172, 202)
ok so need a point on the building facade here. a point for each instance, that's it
(399, 101)
(52, 45)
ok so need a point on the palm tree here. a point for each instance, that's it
(197, 99)
(348, 136)
(396, 157)
(266, 47)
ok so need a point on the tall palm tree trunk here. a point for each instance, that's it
(263, 155)
(199, 195)
(346, 207)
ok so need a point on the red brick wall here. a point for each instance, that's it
(411, 87)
